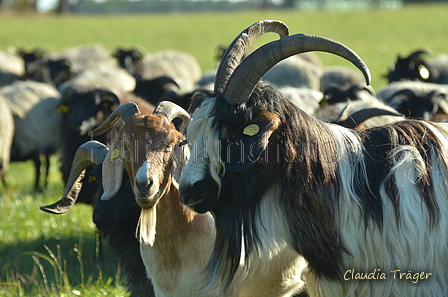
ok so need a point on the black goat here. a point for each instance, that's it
(414, 67)
(116, 218)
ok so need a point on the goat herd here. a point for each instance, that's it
(269, 176)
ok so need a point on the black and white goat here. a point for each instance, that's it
(354, 203)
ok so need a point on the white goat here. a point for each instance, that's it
(38, 126)
(7, 133)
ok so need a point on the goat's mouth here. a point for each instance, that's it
(146, 202)
(199, 197)
(146, 196)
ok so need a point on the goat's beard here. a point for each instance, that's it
(146, 228)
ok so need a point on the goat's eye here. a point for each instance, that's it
(106, 105)
(185, 142)
(63, 108)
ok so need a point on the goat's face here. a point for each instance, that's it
(86, 111)
(148, 145)
(412, 67)
(224, 139)
(120, 210)
(128, 59)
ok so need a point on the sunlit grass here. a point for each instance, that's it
(50, 255)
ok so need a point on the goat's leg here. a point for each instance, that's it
(47, 170)
(37, 164)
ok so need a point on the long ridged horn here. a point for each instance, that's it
(235, 52)
(125, 111)
(89, 153)
(171, 111)
(254, 67)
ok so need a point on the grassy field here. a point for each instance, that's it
(48, 255)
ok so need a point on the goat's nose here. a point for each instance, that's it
(144, 185)
(98, 216)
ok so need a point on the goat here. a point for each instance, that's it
(415, 68)
(417, 99)
(11, 68)
(6, 135)
(57, 68)
(180, 66)
(37, 125)
(306, 99)
(131, 59)
(87, 100)
(30, 57)
(342, 76)
(117, 218)
(359, 97)
(367, 201)
(149, 150)
(357, 119)
(297, 72)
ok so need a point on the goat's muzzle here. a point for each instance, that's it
(146, 203)
(200, 197)
(146, 196)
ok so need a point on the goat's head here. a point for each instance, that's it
(335, 94)
(233, 126)
(128, 59)
(51, 71)
(84, 111)
(30, 59)
(420, 105)
(412, 67)
(148, 149)
(106, 214)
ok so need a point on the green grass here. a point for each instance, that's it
(48, 255)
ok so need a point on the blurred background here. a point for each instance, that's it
(141, 6)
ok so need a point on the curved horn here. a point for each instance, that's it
(172, 111)
(112, 92)
(352, 121)
(125, 111)
(419, 52)
(163, 80)
(89, 153)
(235, 52)
(395, 101)
(252, 68)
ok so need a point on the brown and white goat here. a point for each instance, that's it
(370, 204)
(176, 243)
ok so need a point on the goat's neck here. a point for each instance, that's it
(176, 222)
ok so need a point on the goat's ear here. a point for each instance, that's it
(113, 166)
(182, 154)
(245, 148)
